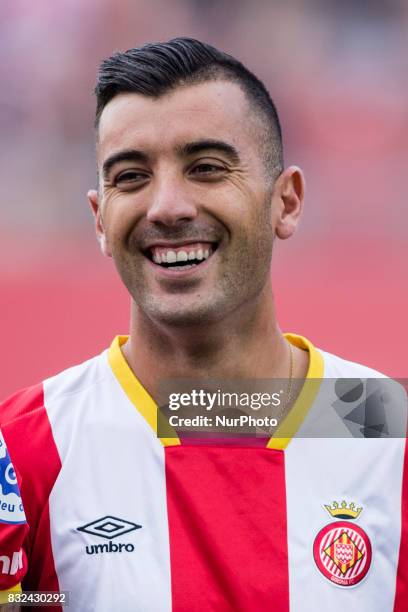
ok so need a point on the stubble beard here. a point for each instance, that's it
(242, 274)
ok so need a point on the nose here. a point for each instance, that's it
(171, 202)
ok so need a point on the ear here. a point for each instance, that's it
(288, 196)
(93, 200)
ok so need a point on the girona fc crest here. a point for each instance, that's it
(342, 553)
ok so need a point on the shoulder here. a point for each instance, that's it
(78, 378)
(337, 367)
(28, 418)
(27, 403)
(364, 397)
(28, 426)
(326, 365)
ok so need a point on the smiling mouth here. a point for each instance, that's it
(181, 257)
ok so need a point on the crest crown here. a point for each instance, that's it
(343, 510)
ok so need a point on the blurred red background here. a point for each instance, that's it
(339, 77)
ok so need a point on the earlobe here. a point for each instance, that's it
(93, 199)
(290, 191)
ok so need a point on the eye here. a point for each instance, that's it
(205, 169)
(130, 177)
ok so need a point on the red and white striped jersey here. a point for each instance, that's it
(92, 502)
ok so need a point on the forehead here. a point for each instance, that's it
(215, 109)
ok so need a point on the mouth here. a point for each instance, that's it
(181, 257)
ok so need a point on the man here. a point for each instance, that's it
(192, 193)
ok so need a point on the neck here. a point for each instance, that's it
(249, 344)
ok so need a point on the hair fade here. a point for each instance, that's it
(157, 68)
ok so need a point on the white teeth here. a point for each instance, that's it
(182, 256)
(172, 257)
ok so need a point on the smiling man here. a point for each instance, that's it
(192, 195)
(188, 207)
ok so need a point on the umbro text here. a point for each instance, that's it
(96, 549)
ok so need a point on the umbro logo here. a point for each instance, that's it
(109, 527)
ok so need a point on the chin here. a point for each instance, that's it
(181, 314)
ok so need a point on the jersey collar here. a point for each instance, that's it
(148, 408)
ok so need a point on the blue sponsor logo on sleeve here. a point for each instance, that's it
(11, 506)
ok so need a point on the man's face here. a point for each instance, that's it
(184, 207)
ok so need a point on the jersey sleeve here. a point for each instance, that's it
(13, 526)
(35, 465)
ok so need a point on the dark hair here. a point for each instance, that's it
(157, 68)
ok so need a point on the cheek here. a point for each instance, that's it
(249, 215)
(231, 208)
(120, 217)
(243, 199)
(256, 232)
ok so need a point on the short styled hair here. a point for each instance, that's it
(158, 68)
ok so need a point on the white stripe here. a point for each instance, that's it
(112, 465)
(313, 481)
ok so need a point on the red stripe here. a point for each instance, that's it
(228, 534)
(34, 454)
(401, 594)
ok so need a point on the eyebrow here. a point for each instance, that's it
(190, 148)
(199, 146)
(125, 155)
